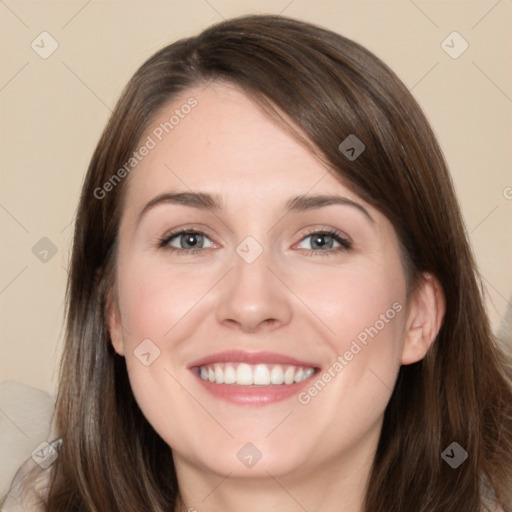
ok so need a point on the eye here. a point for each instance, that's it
(189, 241)
(326, 241)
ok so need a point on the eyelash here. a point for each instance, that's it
(345, 243)
(163, 242)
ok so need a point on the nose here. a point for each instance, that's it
(253, 298)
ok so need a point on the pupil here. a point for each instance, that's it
(319, 240)
(191, 239)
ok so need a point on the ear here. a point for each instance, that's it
(114, 324)
(425, 314)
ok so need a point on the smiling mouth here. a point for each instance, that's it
(243, 374)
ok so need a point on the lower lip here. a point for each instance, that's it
(254, 395)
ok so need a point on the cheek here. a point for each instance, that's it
(158, 305)
(355, 301)
(156, 300)
(364, 309)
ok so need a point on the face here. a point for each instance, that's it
(260, 304)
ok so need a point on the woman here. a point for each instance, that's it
(272, 303)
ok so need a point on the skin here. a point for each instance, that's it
(295, 299)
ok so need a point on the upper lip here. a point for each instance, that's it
(240, 356)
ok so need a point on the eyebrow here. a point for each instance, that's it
(214, 203)
(304, 203)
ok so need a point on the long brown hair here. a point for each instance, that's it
(330, 87)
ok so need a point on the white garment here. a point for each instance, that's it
(29, 489)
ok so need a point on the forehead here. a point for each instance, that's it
(225, 143)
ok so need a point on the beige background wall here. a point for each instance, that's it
(53, 110)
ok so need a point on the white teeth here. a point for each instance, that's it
(229, 375)
(219, 374)
(289, 375)
(243, 374)
(308, 372)
(261, 375)
(298, 376)
(277, 375)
